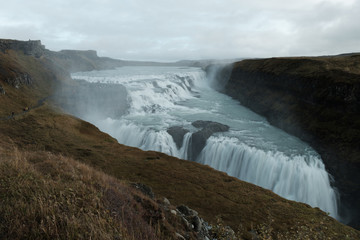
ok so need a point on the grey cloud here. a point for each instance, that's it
(172, 30)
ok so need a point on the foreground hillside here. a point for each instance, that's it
(316, 99)
(60, 177)
(47, 196)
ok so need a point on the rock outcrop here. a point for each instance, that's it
(146, 190)
(315, 99)
(31, 47)
(177, 134)
(198, 139)
(193, 222)
(19, 79)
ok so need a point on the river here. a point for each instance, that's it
(252, 150)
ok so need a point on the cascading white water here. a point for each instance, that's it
(252, 150)
(301, 178)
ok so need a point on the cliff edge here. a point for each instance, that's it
(31, 47)
(316, 99)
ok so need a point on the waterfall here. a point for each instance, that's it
(253, 150)
(300, 178)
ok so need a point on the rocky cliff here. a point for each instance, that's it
(316, 99)
(70, 60)
(31, 47)
(79, 61)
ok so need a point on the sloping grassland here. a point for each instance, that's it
(61, 178)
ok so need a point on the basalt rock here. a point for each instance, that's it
(177, 134)
(199, 138)
(212, 126)
(31, 47)
(194, 222)
(19, 79)
(316, 99)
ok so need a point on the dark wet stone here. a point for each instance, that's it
(198, 139)
(177, 134)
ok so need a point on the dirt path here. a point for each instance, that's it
(37, 105)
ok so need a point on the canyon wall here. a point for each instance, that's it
(31, 47)
(316, 99)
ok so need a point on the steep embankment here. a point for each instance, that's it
(316, 99)
(25, 79)
(45, 191)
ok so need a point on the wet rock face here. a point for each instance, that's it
(317, 100)
(177, 134)
(199, 138)
(212, 126)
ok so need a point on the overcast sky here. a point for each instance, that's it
(187, 29)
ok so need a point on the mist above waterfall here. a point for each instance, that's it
(249, 148)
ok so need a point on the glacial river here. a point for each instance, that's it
(252, 150)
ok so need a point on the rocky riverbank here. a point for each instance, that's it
(316, 99)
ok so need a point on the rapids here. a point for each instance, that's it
(252, 150)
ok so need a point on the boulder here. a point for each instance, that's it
(186, 211)
(198, 139)
(166, 201)
(191, 218)
(212, 126)
(177, 133)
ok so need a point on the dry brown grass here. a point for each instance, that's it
(44, 79)
(306, 66)
(47, 196)
(266, 231)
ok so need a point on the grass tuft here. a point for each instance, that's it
(47, 196)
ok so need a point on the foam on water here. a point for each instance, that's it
(252, 150)
(302, 177)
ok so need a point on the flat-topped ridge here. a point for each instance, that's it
(31, 47)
